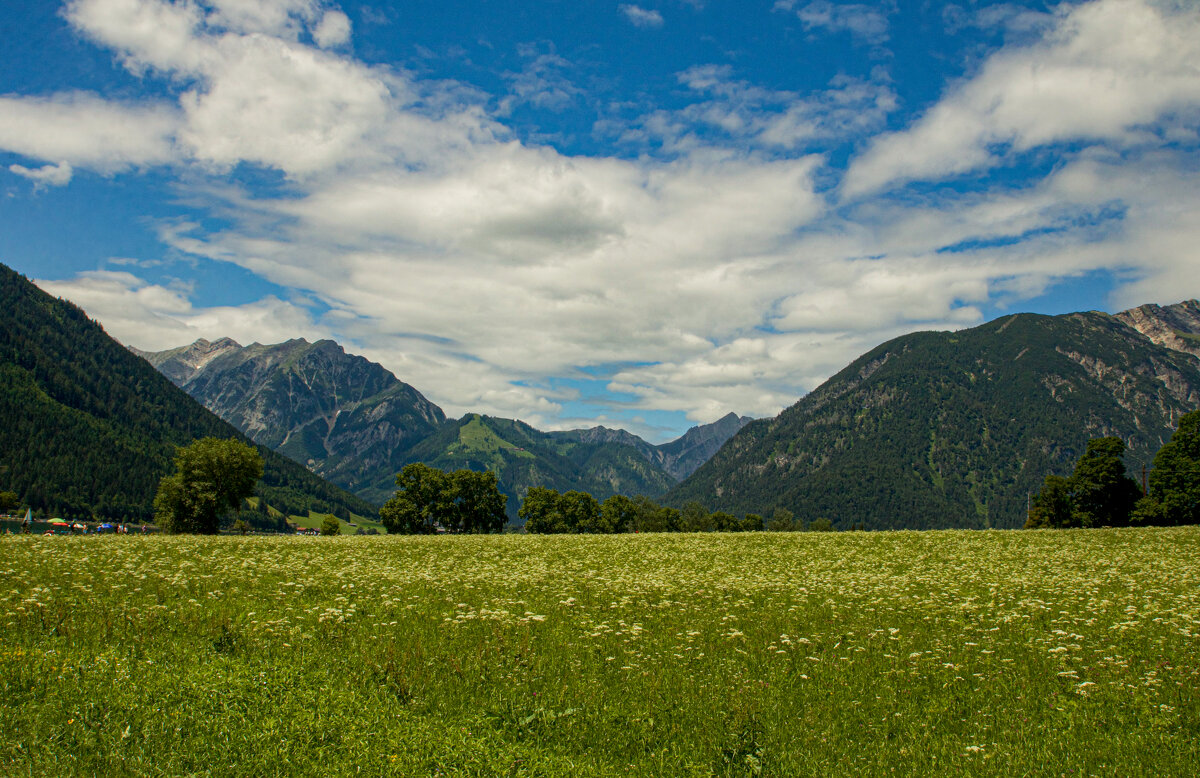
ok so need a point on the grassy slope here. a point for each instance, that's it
(983, 653)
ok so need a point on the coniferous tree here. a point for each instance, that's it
(1174, 496)
(1099, 493)
(1051, 507)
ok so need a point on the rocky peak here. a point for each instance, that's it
(184, 363)
(1173, 326)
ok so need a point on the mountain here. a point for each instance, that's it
(955, 429)
(348, 419)
(353, 422)
(599, 461)
(1175, 326)
(680, 457)
(90, 428)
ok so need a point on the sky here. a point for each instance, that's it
(637, 214)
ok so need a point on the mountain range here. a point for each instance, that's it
(353, 422)
(956, 429)
(932, 429)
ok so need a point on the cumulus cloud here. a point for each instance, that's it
(1107, 70)
(47, 175)
(84, 130)
(641, 17)
(154, 317)
(714, 274)
(333, 30)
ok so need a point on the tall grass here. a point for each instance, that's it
(1006, 653)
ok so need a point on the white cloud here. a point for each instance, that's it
(641, 17)
(282, 105)
(850, 107)
(542, 83)
(476, 267)
(153, 317)
(83, 130)
(1106, 71)
(280, 18)
(47, 175)
(333, 31)
(868, 22)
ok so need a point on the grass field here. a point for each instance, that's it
(980, 653)
(314, 521)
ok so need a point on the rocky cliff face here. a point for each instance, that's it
(1175, 326)
(345, 417)
(182, 364)
(681, 457)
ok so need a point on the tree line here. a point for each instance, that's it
(429, 500)
(213, 477)
(1100, 493)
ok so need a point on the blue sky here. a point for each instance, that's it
(643, 215)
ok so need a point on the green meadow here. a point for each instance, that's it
(978, 653)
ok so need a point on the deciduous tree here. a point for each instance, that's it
(211, 478)
(422, 499)
(541, 512)
(478, 505)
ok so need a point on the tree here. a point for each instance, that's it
(541, 513)
(1175, 480)
(331, 526)
(722, 521)
(478, 505)
(241, 527)
(652, 517)
(580, 511)
(694, 518)
(1099, 492)
(422, 500)
(212, 477)
(821, 524)
(781, 520)
(1102, 493)
(1052, 506)
(8, 501)
(618, 514)
(751, 522)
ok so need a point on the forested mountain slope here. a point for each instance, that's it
(523, 457)
(953, 429)
(89, 428)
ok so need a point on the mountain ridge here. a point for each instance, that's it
(352, 421)
(954, 429)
